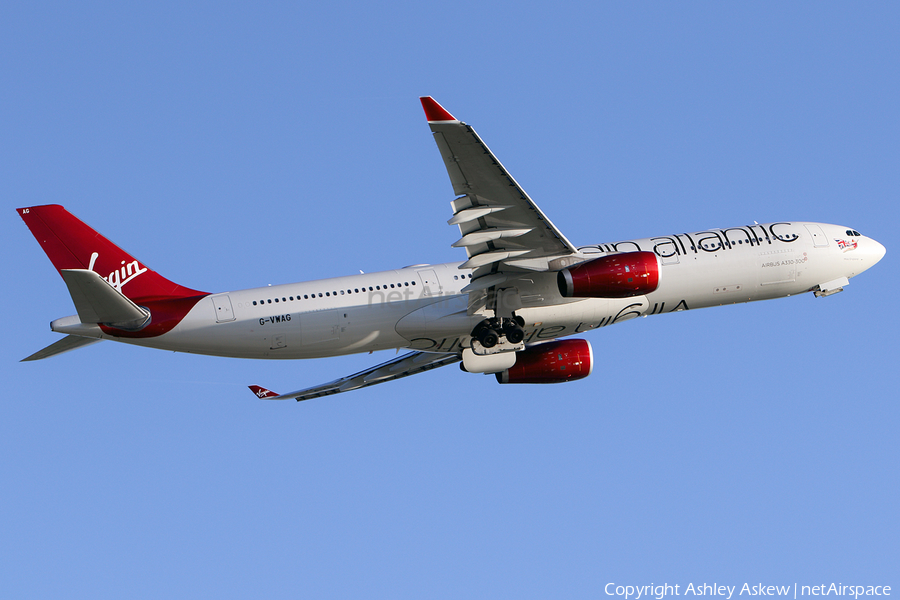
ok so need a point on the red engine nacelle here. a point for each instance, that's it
(615, 276)
(553, 362)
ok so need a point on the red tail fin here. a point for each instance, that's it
(71, 244)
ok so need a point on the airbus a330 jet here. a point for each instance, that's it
(504, 310)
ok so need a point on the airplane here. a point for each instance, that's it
(507, 310)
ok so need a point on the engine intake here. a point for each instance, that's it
(552, 362)
(615, 276)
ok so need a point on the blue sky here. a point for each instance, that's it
(235, 145)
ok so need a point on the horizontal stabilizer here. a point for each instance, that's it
(70, 342)
(98, 302)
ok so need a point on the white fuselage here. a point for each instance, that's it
(424, 308)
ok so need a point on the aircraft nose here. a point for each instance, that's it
(872, 251)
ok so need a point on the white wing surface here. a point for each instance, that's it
(503, 230)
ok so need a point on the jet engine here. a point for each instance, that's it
(552, 362)
(614, 276)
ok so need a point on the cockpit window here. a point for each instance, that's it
(853, 233)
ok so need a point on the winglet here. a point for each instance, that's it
(262, 392)
(434, 111)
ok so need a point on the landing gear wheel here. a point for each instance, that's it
(514, 334)
(488, 337)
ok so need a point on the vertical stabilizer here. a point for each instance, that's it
(71, 244)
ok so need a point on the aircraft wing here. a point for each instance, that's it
(503, 230)
(411, 363)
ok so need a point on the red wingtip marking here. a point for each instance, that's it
(262, 392)
(434, 111)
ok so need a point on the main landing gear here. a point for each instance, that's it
(488, 332)
(495, 344)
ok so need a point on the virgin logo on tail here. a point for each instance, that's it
(122, 275)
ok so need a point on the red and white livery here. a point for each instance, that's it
(503, 310)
